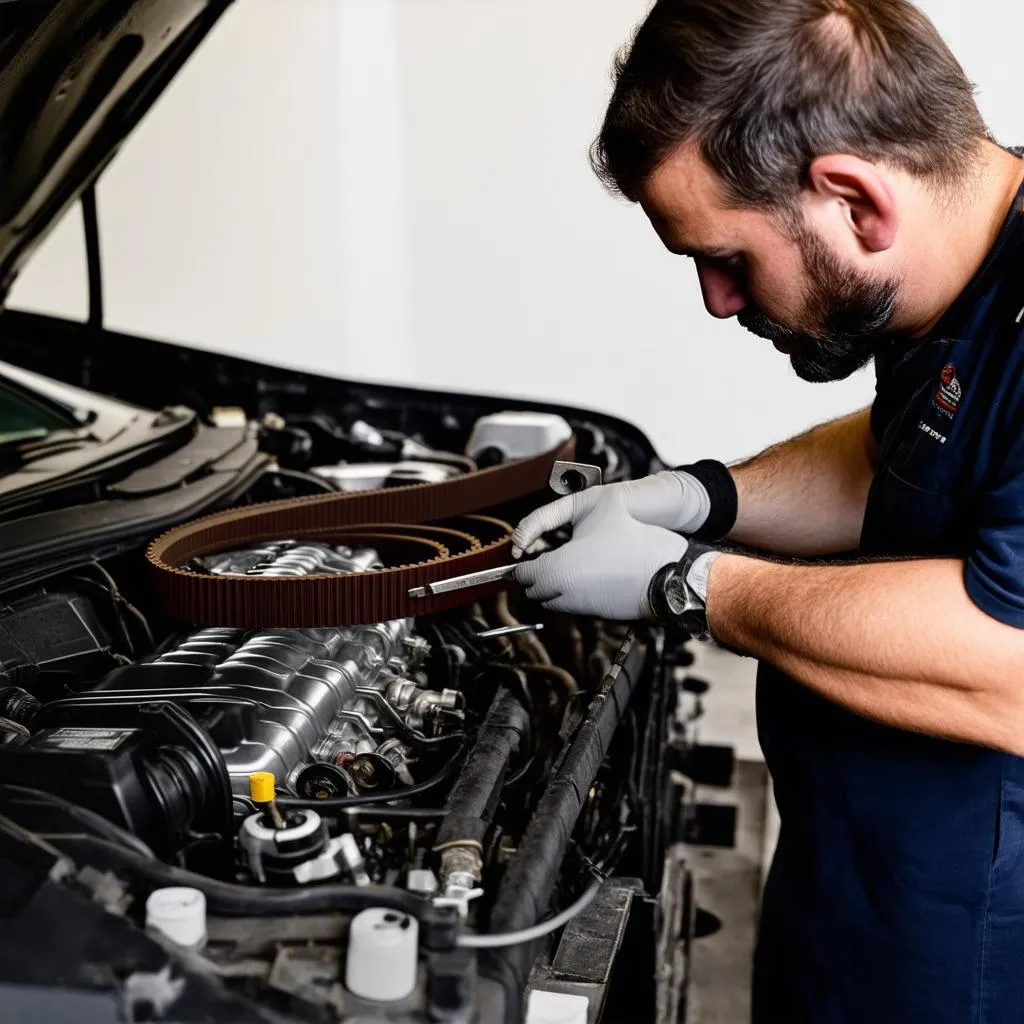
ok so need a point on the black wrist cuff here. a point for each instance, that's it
(721, 488)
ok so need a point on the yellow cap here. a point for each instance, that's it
(261, 787)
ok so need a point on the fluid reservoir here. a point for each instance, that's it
(179, 912)
(382, 955)
(505, 436)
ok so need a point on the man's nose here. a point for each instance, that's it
(723, 296)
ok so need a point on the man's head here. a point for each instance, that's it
(781, 143)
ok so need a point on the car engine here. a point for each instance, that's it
(330, 712)
(417, 820)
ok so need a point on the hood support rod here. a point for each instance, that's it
(93, 262)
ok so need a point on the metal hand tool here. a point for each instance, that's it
(500, 631)
(472, 579)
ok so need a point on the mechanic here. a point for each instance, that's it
(825, 166)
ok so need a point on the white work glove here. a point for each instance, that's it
(673, 500)
(605, 571)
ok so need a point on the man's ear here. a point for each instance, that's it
(865, 192)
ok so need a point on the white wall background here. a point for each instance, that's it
(397, 190)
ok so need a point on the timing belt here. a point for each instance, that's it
(423, 533)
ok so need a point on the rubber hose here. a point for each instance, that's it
(530, 880)
(528, 643)
(564, 679)
(399, 814)
(231, 900)
(477, 791)
(342, 803)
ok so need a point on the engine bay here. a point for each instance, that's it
(390, 821)
(477, 815)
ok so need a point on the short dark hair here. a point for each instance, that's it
(766, 86)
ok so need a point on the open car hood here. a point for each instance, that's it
(76, 76)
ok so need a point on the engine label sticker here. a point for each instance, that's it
(70, 738)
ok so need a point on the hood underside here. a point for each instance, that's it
(76, 76)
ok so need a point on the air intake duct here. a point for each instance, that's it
(148, 768)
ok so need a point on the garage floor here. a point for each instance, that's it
(727, 883)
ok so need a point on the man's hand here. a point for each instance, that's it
(606, 569)
(673, 500)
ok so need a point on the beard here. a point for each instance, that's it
(855, 313)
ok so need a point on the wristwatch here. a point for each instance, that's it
(675, 603)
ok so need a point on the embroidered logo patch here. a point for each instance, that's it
(949, 392)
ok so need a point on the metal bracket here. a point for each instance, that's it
(570, 477)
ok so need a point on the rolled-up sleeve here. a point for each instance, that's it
(995, 569)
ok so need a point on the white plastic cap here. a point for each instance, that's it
(179, 913)
(556, 1008)
(422, 880)
(382, 957)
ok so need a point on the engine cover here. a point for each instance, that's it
(287, 700)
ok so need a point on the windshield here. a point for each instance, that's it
(24, 417)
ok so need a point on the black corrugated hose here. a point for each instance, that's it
(530, 880)
(504, 732)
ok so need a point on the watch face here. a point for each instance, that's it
(678, 595)
(685, 606)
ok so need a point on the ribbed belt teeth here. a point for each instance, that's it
(423, 533)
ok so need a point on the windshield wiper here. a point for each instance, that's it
(19, 451)
(14, 437)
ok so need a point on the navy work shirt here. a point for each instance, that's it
(897, 891)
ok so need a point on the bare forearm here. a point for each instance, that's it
(807, 496)
(900, 642)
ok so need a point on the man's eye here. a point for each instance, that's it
(735, 265)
